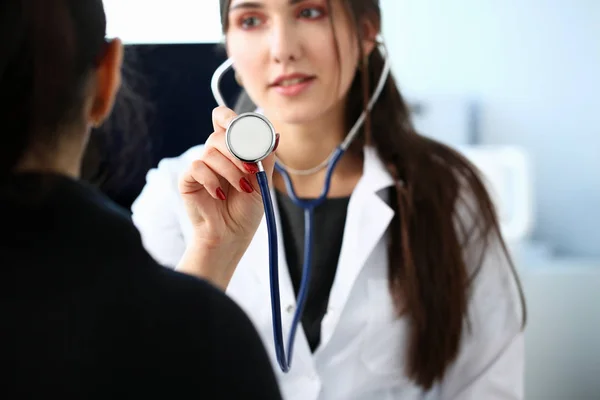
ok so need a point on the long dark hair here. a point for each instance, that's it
(429, 278)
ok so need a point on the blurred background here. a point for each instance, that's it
(512, 84)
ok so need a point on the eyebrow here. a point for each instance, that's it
(251, 4)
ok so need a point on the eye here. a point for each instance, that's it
(311, 13)
(250, 22)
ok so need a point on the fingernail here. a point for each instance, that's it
(221, 194)
(246, 186)
(276, 141)
(252, 168)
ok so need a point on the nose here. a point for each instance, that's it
(285, 44)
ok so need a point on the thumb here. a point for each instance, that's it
(222, 117)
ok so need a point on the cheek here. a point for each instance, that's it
(325, 62)
(345, 70)
(247, 62)
(327, 52)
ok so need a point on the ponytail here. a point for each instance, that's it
(429, 279)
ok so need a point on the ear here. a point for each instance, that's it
(108, 82)
(369, 32)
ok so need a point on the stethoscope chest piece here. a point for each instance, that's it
(250, 137)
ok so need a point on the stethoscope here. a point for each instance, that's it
(250, 137)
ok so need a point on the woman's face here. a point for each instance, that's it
(285, 54)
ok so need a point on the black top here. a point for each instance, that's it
(328, 223)
(86, 313)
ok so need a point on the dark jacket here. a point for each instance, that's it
(87, 313)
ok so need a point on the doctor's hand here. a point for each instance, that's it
(223, 202)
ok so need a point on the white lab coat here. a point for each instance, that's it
(362, 345)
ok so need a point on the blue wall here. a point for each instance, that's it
(535, 67)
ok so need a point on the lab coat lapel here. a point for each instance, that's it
(368, 218)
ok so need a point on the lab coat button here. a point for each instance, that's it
(289, 309)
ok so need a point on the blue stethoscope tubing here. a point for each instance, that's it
(307, 205)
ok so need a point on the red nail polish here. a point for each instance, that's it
(276, 141)
(221, 194)
(246, 186)
(251, 168)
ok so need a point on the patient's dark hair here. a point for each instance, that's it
(429, 274)
(47, 53)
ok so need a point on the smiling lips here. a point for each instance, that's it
(293, 84)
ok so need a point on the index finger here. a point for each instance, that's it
(221, 118)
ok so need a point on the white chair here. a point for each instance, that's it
(507, 173)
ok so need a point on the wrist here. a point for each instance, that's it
(214, 262)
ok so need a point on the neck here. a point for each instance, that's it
(305, 146)
(64, 158)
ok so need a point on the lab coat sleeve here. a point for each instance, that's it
(154, 213)
(490, 364)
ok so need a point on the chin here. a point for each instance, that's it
(296, 112)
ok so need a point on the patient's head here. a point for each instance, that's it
(58, 79)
